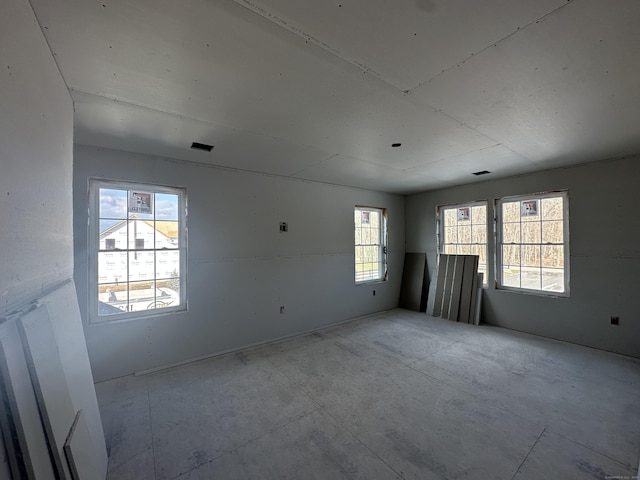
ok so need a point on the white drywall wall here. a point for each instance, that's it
(240, 267)
(604, 249)
(36, 137)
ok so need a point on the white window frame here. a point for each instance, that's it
(565, 243)
(94, 248)
(381, 243)
(440, 233)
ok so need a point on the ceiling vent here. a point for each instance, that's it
(481, 172)
(201, 146)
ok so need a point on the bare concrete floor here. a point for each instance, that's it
(396, 395)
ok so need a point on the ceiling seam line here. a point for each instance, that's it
(413, 167)
(182, 116)
(493, 44)
(314, 164)
(226, 168)
(315, 42)
(53, 55)
(482, 134)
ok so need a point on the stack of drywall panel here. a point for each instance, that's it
(457, 291)
(413, 295)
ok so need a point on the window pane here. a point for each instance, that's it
(112, 299)
(165, 297)
(511, 276)
(553, 256)
(167, 264)
(464, 234)
(365, 235)
(511, 255)
(464, 249)
(450, 216)
(142, 296)
(480, 251)
(167, 234)
(552, 232)
(375, 219)
(113, 203)
(112, 267)
(479, 215)
(552, 208)
(169, 287)
(450, 235)
(553, 279)
(511, 233)
(530, 256)
(166, 206)
(479, 234)
(530, 278)
(109, 230)
(141, 266)
(511, 212)
(141, 232)
(531, 232)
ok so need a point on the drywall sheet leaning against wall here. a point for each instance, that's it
(79, 451)
(431, 300)
(19, 416)
(414, 282)
(457, 288)
(49, 381)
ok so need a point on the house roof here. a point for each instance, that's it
(168, 228)
(165, 227)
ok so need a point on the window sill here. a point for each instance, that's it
(536, 293)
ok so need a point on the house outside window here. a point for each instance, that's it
(137, 250)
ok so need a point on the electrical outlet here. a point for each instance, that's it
(615, 320)
(282, 310)
(284, 227)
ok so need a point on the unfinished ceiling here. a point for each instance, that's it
(321, 90)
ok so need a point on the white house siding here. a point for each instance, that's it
(112, 265)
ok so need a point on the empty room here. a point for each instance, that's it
(268, 239)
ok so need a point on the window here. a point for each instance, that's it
(533, 243)
(137, 250)
(463, 231)
(370, 244)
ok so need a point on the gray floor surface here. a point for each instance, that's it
(396, 395)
